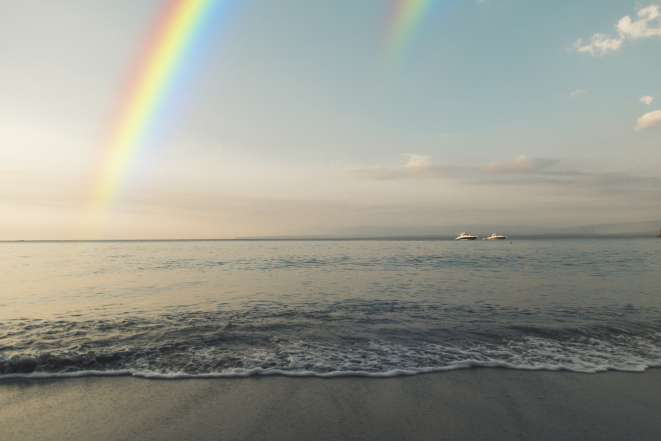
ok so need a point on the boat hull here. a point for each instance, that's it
(466, 238)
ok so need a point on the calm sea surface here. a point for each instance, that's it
(327, 308)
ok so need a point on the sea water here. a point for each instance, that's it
(328, 307)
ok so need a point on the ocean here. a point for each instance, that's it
(380, 308)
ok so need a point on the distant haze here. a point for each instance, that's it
(650, 229)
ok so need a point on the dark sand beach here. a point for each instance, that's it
(471, 404)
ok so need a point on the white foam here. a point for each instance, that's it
(381, 359)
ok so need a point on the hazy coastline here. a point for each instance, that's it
(358, 238)
(443, 232)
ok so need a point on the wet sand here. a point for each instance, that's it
(472, 404)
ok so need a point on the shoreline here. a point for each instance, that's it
(259, 372)
(475, 403)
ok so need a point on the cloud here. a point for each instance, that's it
(576, 94)
(532, 178)
(520, 165)
(418, 166)
(640, 28)
(577, 182)
(418, 161)
(646, 100)
(614, 180)
(601, 44)
(651, 120)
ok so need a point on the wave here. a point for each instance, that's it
(318, 359)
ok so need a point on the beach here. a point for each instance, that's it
(467, 404)
(544, 339)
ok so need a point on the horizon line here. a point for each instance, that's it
(344, 238)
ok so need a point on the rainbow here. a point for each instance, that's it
(179, 35)
(406, 18)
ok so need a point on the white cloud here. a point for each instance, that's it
(646, 100)
(577, 93)
(418, 166)
(418, 161)
(640, 28)
(651, 120)
(601, 44)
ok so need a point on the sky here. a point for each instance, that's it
(303, 118)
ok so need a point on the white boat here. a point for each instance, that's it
(496, 236)
(465, 236)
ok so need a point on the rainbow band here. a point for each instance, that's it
(182, 27)
(406, 17)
